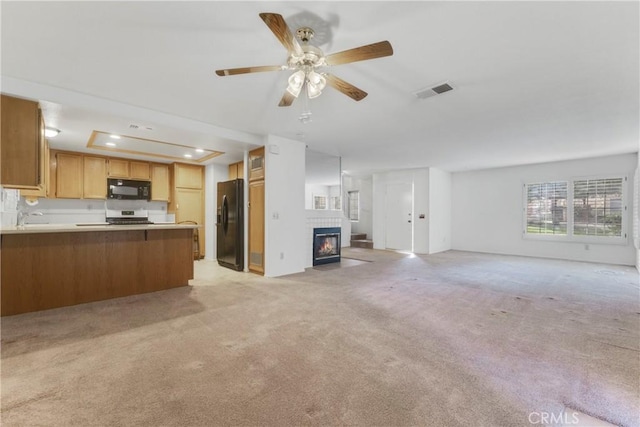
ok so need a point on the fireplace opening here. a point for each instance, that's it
(326, 245)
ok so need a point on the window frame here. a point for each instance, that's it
(570, 237)
(357, 192)
(320, 198)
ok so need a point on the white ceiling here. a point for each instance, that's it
(534, 81)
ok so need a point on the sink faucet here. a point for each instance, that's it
(22, 216)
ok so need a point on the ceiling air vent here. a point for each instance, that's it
(433, 91)
(141, 127)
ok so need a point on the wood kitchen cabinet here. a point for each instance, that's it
(118, 168)
(44, 188)
(256, 210)
(21, 144)
(139, 170)
(129, 169)
(160, 189)
(188, 176)
(187, 197)
(94, 178)
(69, 176)
(256, 226)
(256, 164)
(236, 170)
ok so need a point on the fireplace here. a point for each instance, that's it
(326, 245)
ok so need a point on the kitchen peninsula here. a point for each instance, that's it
(49, 266)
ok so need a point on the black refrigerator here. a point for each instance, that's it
(230, 224)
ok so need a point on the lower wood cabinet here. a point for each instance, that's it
(47, 270)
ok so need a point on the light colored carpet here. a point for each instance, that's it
(453, 339)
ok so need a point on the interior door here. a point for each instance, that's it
(398, 220)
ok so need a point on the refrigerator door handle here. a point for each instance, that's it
(225, 214)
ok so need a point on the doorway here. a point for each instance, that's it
(398, 216)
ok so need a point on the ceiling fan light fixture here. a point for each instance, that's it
(315, 83)
(296, 81)
(313, 91)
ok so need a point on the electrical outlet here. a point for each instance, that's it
(281, 255)
(586, 247)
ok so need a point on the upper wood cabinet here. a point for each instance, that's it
(69, 172)
(160, 188)
(236, 170)
(256, 164)
(21, 143)
(188, 176)
(129, 169)
(95, 178)
(139, 170)
(118, 168)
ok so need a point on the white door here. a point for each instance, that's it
(398, 220)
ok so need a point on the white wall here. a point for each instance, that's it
(419, 178)
(488, 207)
(213, 174)
(439, 210)
(636, 218)
(284, 207)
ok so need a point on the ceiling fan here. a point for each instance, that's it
(308, 62)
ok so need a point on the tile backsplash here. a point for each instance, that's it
(9, 207)
(73, 211)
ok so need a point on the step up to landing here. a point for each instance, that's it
(358, 236)
(362, 243)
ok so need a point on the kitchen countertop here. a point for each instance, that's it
(85, 227)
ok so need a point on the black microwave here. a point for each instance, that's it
(128, 189)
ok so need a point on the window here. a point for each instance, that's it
(335, 203)
(354, 205)
(319, 202)
(597, 207)
(547, 208)
(579, 209)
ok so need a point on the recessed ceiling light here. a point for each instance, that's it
(114, 136)
(188, 156)
(51, 132)
(199, 150)
(110, 144)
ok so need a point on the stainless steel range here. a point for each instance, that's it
(127, 216)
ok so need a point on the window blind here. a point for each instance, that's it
(597, 207)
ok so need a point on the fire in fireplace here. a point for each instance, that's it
(326, 245)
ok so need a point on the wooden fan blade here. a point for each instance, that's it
(370, 51)
(347, 88)
(287, 99)
(245, 70)
(281, 30)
